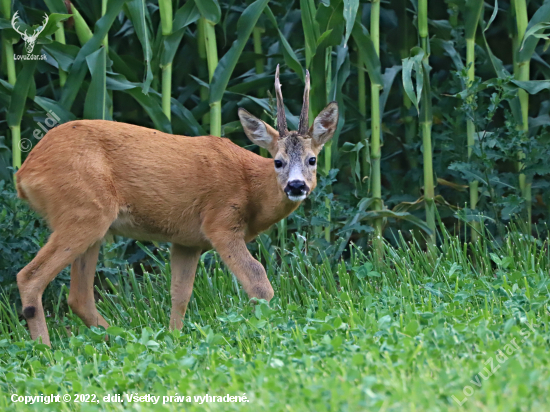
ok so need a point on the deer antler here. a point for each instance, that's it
(13, 22)
(304, 121)
(281, 116)
(40, 30)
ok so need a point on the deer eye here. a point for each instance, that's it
(278, 163)
(312, 161)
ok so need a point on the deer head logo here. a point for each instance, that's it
(30, 41)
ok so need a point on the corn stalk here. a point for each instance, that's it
(426, 120)
(375, 143)
(473, 13)
(211, 48)
(165, 8)
(260, 61)
(521, 73)
(12, 79)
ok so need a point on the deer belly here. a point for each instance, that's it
(134, 226)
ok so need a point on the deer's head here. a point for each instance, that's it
(294, 153)
(30, 40)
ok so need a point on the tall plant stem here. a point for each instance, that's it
(165, 8)
(201, 42)
(521, 72)
(375, 144)
(362, 104)
(470, 131)
(16, 146)
(260, 61)
(328, 146)
(426, 122)
(212, 60)
(60, 37)
(7, 45)
(12, 77)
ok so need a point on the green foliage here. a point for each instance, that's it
(412, 330)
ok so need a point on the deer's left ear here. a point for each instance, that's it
(324, 126)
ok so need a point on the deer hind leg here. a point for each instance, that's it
(63, 247)
(250, 273)
(184, 265)
(81, 294)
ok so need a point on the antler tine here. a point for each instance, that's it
(304, 120)
(13, 21)
(281, 116)
(38, 31)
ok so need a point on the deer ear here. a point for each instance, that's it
(324, 126)
(259, 132)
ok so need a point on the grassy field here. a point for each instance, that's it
(461, 328)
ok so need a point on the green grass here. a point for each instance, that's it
(407, 335)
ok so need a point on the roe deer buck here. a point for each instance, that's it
(93, 177)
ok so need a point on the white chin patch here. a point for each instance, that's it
(297, 198)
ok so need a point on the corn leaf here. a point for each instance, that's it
(21, 90)
(310, 28)
(471, 17)
(225, 67)
(288, 54)
(350, 13)
(372, 61)
(210, 10)
(410, 63)
(138, 14)
(49, 104)
(78, 69)
(542, 15)
(95, 103)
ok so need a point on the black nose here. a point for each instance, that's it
(296, 187)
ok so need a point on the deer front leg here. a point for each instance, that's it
(183, 262)
(250, 273)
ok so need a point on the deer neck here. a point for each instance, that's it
(269, 204)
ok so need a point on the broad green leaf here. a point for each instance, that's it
(388, 79)
(537, 31)
(49, 104)
(471, 17)
(542, 15)
(189, 124)
(78, 69)
(310, 28)
(350, 12)
(410, 63)
(426, 115)
(95, 103)
(364, 42)
(532, 86)
(53, 24)
(225, 67)
(63, 54)
(170, 47)
(56, 6)
(210, 10)
(186, 15)
(151, 104)
(139, 16)
(449, 47)
(290, 57)
(21, 90)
